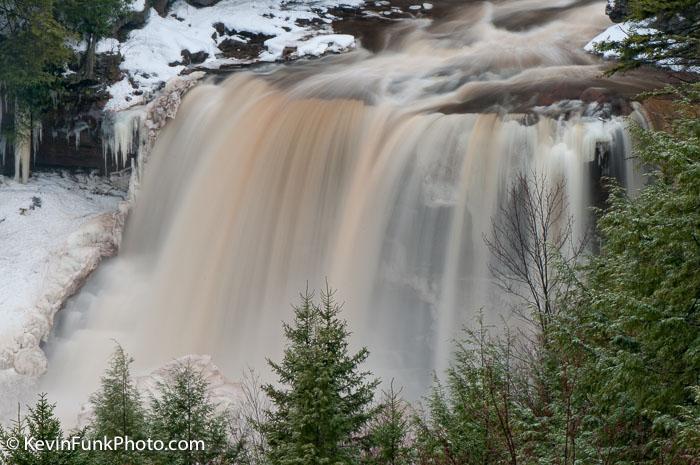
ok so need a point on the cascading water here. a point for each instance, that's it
(347, 169)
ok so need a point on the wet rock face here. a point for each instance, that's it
(71, 145)
(617, 10)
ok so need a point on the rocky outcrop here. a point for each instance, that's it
(617, 10)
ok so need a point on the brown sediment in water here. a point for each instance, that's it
(350, 168)
(617, 90)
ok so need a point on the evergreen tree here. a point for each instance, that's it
(118, 411)
(639, 316)
(472, 417)
(663, 32)
(92, 20)
(32, 57)
(389, 432)
(40, 424)
(324, 399)
(184, 411)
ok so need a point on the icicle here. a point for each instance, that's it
(23, 154)
(77, 133)
(23, 145)
(37, 135)
(121, 136)
(3, 148)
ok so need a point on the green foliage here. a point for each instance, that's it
(91, 17)
(32, 53)
(617, 380)
(118, 411)
(641, 9)
(471, 417)
(91, 20)
(184, 411)
(389, 432)
(666, 33)
(640, 311)
(324, 401)
(40, 424)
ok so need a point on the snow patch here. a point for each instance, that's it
(137, 5)
(617, 33)
(153, 54)
(53, 232)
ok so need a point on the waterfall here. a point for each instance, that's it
(349, 170)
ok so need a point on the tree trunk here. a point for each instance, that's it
(89, 60)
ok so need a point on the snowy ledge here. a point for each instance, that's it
(54, 231)
(229, 33)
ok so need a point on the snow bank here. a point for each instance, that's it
(53, 232)
(153, 54)
(619, 32)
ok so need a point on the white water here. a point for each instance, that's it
(342, 170)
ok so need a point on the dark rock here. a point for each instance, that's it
(617, 10)
(201, 3)
(189, 58)
(234, 48)
(198, 57)
(287, 52)
(220, 28)
(161, 6)
(303, 22)
(59, 148)
(107, 67)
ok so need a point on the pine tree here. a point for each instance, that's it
(118, 411)
(92, 20)
(639, 317)
(389, 432)
(662, 32)
(184, 411)
(32, 57)
(324, 399)
(40, 424)
(473, 415)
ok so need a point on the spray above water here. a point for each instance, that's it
(342, 169)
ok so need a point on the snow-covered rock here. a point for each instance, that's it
(154, 54)
(54, 230)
